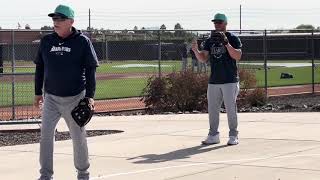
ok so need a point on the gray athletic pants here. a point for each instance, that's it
(53, 109)
(184, 64)
(227, 93)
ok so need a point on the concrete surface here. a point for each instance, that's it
(273, 146)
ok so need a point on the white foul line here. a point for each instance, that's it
(198, 164)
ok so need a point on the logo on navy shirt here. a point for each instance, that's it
(60, 50)
(217, 50)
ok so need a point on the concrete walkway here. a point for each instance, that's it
(273, 146)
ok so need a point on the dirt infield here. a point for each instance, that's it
(287, 90)
(28, 112)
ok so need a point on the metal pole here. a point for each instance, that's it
(13, 64)
(89, 19)
(89, 28)
(265, 62)
(313, 65)
(159, 52)
(240, 18)
(106, 47)
(103, 49)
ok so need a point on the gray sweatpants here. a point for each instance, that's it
(53, 109)
(184, 64)
(227, 93)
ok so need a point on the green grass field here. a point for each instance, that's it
(132, 87)
(106, 89)
(120, 88)
(302, 75)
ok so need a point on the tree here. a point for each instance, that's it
(275, 31)
(27, 26)
(143, 30)
(305, 26)
(46, 28)
(163, 27)
(302, 28)
(178, 30)
(178, 26)
(135, 29)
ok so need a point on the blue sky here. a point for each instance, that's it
(191, 14)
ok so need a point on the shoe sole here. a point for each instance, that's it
(204, 143)
(229, 144)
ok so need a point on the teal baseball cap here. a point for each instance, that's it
(63, 11)
(220, 17)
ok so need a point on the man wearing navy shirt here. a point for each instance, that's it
(224, 79)
(65, 73)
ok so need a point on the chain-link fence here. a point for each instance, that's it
(284, 62)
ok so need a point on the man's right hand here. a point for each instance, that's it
(195, 45)
(38, 100)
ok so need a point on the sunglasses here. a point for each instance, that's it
(59, 19)
(218, 22)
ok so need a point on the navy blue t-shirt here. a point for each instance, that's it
(66, 66)
(223, 68)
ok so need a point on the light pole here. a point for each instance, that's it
(89, 20)
(240, 18)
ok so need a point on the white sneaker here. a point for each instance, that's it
(211, 140)
(233, 140)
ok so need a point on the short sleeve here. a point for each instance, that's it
(91, 59)
(236, 43)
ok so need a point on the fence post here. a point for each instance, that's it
(313, 65)
(105, 47)
(1, 60)
(103, 50)
(265, 62)
(159, 52)
(13, 65)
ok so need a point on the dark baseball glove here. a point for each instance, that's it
(219, 37)
(82, 113)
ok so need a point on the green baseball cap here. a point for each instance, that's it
(63, 11)
(220, 17)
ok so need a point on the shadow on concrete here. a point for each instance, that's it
(175, 155)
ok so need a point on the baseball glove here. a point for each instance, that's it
(82, 113)
(219, 37)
